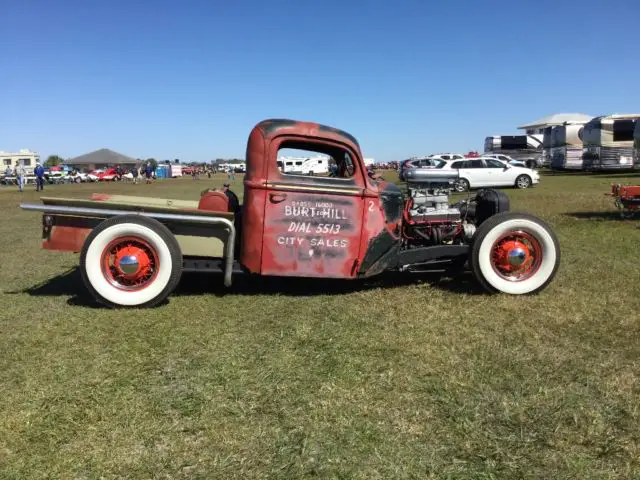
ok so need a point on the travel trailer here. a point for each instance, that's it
(304, 165)
(608, 142)
(566, 146)
(527, 148)
(24, 157)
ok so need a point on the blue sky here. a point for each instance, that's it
(190, 79)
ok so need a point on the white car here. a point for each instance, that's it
(80, 177)
(489, 172)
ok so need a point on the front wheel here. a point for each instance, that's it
(523, 181)
(514, 253)
(130, 261)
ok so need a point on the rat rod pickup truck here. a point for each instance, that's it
(351, 225)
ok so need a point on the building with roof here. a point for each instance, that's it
(537, 127)
(103, 158)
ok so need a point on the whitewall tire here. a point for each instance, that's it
(514, 253)
(130, 261)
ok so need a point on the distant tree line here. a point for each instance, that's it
(53, 161)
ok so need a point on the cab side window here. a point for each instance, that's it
(301, 158)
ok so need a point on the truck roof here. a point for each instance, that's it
(278, 126)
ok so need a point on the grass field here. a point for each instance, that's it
(404, 377)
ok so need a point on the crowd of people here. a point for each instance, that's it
(19, 172)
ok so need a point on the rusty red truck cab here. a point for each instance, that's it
(340, 226)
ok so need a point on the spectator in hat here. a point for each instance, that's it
(148, 171)
(39, 172)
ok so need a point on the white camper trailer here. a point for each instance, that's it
(304, 165)
(608, 142)
(527, 148)
(566, 146)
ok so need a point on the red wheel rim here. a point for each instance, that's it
(516, 256)
(130, 263)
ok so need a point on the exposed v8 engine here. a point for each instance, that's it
(429, 218)
(429, 191)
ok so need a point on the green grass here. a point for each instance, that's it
(402, 378)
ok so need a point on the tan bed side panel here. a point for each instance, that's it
(201, 246)
(125, 202)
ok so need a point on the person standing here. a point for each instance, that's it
(134, 172)
(148, 171)
(234, 202)
(20, 175)
(39, 172)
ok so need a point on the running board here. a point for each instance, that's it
(208, 265)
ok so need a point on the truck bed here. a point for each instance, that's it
(196, 240)
(130, 202)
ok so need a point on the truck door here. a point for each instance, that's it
(312, 224)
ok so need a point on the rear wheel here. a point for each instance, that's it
(130, 261)
(462, 185)
(514, 253)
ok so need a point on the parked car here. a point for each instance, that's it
(419, 162)
(490, 172)
(79, 177)
(108, 175)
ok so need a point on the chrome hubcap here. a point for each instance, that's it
(129, 264)
(517, 256)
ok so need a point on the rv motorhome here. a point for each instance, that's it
(547, 135)
(636, 147)
(527, 148)
(304, 165)
(608, 142)
(566, 146)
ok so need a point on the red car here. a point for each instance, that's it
(109, 175)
